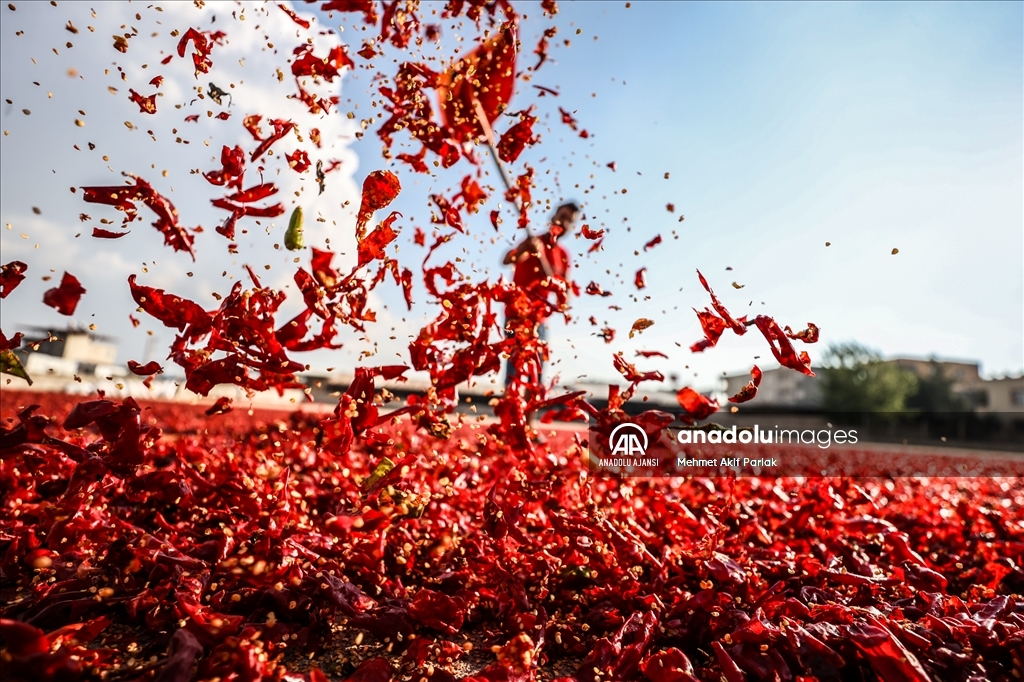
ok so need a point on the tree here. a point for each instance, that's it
(935, 393)
(856, 379)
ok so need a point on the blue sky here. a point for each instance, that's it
(783, 126)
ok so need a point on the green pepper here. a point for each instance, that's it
(11, 364)
(293, 238)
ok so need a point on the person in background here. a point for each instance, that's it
(536, 261)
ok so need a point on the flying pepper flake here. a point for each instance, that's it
(517, 138)
(11, 275)
(640, 325)
(123, 198)
(232, 161)
(640, 279)
(281, 128)
(293, 16)
(630, 373)
(147, 105)
(750, 390)
(100, 233)
(372, 246)
(245, 197)
(463, 99)
(782, 349)
(307, 65)
(654, 242)
(221, 406)
(202, 43)
(695, 406)
(567, 118)
(809, 335)
(298, 160)
(379, 189)
(367, 7)
(149, 369)
(64, 298)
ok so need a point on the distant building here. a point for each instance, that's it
(1005, 394)
(783, 388)
(70, 352)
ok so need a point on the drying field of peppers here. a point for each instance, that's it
(156, 542)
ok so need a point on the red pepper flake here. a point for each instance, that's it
(157, 81)
(567, 118)
(379, 189)
(640, 325)
(640, 278)
(372, 246)
(147, 105)
(150, 368)
(367, 7)
(64, 298)
(251, 195)
(308, 65)
(809, 335)
(221, 406)
(232, 160)
(281, 128)
(202, 42)
(517, 138)
(695, 406)
(101, 233)
(630, 372)
(460, 92)
(298, 160)
(11, 275)
(654, 242)
(750, 390)
(123, 197)
(293, 16)
(782, 349)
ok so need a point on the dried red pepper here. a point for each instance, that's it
(11, 275)
(64, 298)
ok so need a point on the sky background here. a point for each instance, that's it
(781, 126)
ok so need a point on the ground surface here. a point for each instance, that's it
(249, 546)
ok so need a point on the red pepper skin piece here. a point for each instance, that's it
(886, 654)
(64, 298)
(11, 275)
(730, 671)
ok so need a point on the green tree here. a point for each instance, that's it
(935, 393)
(856, 379)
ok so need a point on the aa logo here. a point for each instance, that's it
(628, 440)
